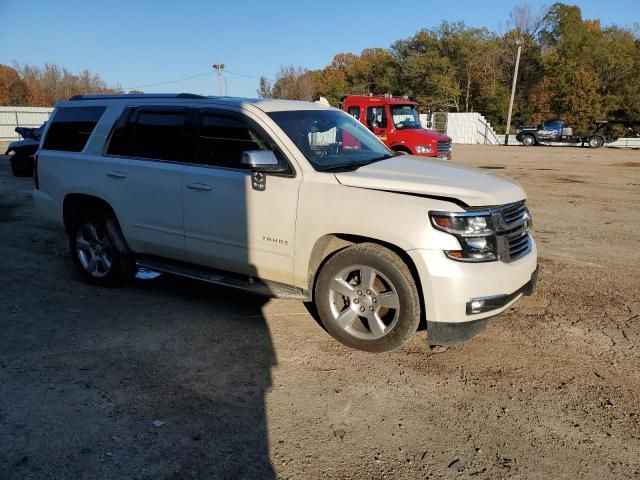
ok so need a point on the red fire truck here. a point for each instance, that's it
(396, 122)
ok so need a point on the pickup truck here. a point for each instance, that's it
(556, 131)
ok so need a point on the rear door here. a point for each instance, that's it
(229, 225)
(143, 167)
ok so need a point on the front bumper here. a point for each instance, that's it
(495, 302)
(443, 333)
(449, 286)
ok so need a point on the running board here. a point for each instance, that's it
(219, 277)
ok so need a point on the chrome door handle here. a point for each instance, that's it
(116, 174)
(199, 186)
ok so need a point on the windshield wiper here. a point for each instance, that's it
(340, 166)
(355, 165)
(383, 157)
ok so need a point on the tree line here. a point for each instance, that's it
(32, 86)
(570, 67)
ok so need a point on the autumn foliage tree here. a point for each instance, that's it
(27, 85)
(13, 90)
(570, 67)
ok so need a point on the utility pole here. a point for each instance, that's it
(219, 67)
(513, 91)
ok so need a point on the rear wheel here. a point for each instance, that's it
(596, 142)
(528, 140)
(367, 299)
(100, 252)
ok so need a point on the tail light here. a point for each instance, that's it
(35, 171)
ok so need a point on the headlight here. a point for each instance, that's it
(474, 231)
(424, 149)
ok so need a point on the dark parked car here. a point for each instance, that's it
(22, 151)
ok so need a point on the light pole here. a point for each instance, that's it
(513, 91)
(219, 67)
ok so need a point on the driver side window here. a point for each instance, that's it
(376, 117)
(221, 141)
(553, 125)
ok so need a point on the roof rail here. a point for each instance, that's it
(387, 96)
(136, 95)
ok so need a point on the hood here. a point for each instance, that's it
(420, 175)
(415, 133)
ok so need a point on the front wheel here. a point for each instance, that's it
(528, 140)
(367, 299)
(596, 142)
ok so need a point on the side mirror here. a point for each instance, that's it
(262, 161)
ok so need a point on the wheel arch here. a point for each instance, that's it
(401, 148)
(329, 244)
(77, 205)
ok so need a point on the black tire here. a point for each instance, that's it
(392, 284)
(122, 265)
(401, 151)
(596, 141)
(528, 140)
(21, 166)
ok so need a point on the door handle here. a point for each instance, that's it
(116, 174)
(199, 186)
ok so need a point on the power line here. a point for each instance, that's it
(242, 75)
(189, 78)
(168, 82)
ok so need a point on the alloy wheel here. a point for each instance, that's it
(364, 302)
(94, 250)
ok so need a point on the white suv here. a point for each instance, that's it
(290, 199)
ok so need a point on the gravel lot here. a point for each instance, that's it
(174, 379)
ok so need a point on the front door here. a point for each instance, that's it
(228, 224)
(377, 121)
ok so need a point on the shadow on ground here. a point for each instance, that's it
(165, 378)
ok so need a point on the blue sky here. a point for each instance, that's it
(137, 43)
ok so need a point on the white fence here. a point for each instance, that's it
(625, 143)
(12, 117)
(467, 127)
(472, 128)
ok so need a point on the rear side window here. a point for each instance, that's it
(354, 112)
(71, 127)
(157, 134)
(221, 141)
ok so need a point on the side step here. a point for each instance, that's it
(219, 277)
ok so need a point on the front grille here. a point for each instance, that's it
(512, 231)
(518, 243)
(444, 147)
(514, 212)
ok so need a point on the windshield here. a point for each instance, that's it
(405, 116)
(331, 139)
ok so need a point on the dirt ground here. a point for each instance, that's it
(174, 379)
